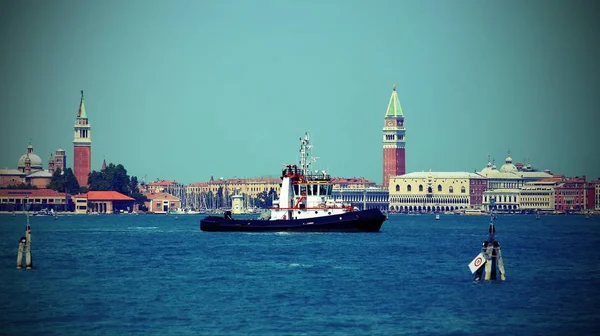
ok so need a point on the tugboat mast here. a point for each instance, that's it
(306, 158)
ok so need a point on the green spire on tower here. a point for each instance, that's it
(81, 113)
(394, 109)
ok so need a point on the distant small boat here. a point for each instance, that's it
(437, 217)
(43, 212)
(474, 212)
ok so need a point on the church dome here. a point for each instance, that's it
(487, 168)
(508, 166)
(35, 160)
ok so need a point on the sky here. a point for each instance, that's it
(184, 90)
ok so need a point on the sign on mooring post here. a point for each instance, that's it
(477, 263)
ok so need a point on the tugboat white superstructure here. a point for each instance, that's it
(305, 204)
(305, 194)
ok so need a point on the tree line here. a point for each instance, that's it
(113, 178)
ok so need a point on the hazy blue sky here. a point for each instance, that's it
(185, 89)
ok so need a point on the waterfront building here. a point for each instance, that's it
(161, 202)
(205, 194)
(360, 192)
(570, 195)
(502, 199)
(11, 177)
(103, 202)
(38, 199)
(82, 145)
(29, 171)
(394, 140)
(504, 185)
(161, 186)
(511, 176)
(596, 194)
(538, 195)
(366, 197)
(435, 191)
(351, 183)
(590, 195)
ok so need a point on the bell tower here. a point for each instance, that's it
(82, 146)
(394, 141)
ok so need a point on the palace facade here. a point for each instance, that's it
(435, 191)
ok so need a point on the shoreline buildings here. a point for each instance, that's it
(30, 170)
(29, 166)
(511, 188)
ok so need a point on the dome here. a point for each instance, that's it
(36, 161)
(487, 168)
(508, 166)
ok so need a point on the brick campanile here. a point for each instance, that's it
(82, 146)
(394, 141)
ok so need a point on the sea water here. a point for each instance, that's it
(161, 275)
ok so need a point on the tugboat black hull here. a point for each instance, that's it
(355, 221)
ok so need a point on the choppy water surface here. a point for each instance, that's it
(123, 274)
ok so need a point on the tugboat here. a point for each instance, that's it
(305, 205)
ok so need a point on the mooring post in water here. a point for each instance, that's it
(25, 246)
(491, 257)
(28, 261)
(20, 251)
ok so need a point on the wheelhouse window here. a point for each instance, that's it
(322, 190)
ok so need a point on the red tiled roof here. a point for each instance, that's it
(551, 179)
(107, 196)
(31, 193)
(199, 184)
